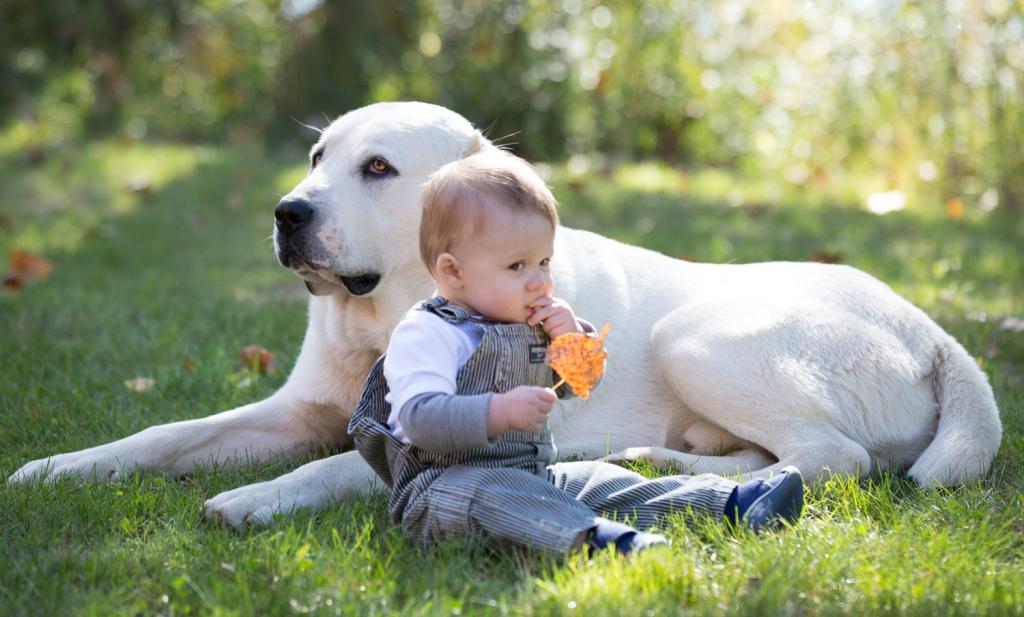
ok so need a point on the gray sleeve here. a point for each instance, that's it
(446, 422)
(564, 391)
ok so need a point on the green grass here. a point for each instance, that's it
(170, 285)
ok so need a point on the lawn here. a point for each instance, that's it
(163, 269)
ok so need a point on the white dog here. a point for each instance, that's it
(713, 368)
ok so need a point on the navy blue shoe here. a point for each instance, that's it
(768, 504)
(626, 539)
(639, 542)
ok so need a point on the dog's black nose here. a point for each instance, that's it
(292, 214)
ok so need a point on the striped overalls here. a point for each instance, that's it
(512, 490)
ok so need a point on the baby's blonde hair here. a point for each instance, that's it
(458, 197)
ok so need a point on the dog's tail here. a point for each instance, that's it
(969, 430)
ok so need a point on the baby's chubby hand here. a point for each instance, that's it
(555, 315)
(524, 408)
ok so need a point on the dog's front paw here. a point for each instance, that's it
(251, 506)
(87, 465)
(31, 471)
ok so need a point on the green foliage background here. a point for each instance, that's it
(923, 97)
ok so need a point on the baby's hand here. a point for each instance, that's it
(525, 408)
(555, 315)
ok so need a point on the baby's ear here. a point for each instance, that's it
(448, 270)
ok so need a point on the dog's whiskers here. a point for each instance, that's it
(499, 141)
(316, 129)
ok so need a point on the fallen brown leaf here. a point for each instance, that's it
(25, 268)
(30, 264)
(256, 358)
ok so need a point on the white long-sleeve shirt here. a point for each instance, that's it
(424, 356)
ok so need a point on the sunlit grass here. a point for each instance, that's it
(952, 267)
(61, 201)
(172, 283)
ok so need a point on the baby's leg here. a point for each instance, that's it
(506, 504)
(609, 489)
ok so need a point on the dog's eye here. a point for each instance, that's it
(319, 154)
(378, 166)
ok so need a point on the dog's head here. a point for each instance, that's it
(353, 222)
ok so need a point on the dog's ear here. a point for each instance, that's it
(476, 144)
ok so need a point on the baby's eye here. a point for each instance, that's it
(516, 267)
(544, 263)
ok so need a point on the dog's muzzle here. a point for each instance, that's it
(292, 217)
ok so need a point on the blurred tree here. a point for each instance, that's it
(184, 69)
(43, 42)
(337, 53)
(921, 97)
(521, 90)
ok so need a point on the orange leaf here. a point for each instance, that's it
(256, 358)
(29, 264)
(25, 268)
(579, 360)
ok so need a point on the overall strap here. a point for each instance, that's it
(445, 310)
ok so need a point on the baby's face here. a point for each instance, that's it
(505, 267)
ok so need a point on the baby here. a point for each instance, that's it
(454, 417)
